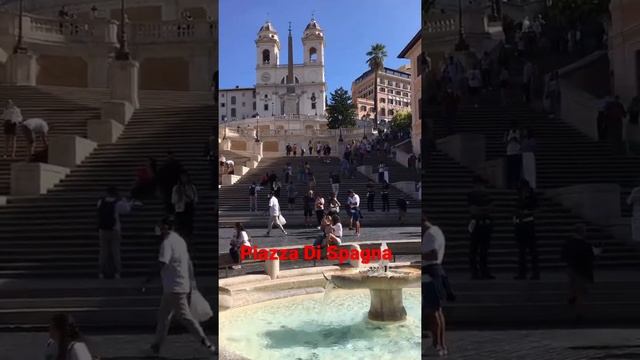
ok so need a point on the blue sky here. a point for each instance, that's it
(350, 27)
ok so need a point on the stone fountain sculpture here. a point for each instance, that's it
(385, 286)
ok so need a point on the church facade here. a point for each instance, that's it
(283, 89)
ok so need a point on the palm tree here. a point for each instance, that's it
(376, 63)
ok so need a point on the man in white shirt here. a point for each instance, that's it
(353, 203)
(274, 214)
(32, 128)
(110, 207)
(433, 245)
(176, 271)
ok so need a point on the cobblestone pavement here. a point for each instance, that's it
(569, 344)
(306, 236)
(30, 346)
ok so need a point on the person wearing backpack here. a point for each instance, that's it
(110, 207)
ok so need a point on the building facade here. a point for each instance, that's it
(394, 93)
(413, 52)
(237, 104)
(283, 89)
(77, 51)
(624, 47)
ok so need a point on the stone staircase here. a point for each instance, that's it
(445, 199)
(54, 235)
(235, 197)
(565, 156)
(64, 116)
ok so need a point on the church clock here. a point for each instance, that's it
(266, 77)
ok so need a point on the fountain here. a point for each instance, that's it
(385, 287)
(347, 316)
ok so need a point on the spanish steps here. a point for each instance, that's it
(54, 235)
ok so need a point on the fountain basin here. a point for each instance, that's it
(385, 289)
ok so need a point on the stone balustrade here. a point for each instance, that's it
(40, 29)
(442, 26)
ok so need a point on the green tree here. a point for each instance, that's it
(376, 63)
(401, 121)
(341, 111)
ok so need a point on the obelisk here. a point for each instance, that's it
(290, 100)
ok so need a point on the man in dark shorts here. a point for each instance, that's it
(11, 117)
(480, 230)
(309, 203)
(353, 204)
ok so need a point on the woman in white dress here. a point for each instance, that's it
(634, 200)
(65, 341)
(11, 117)
(528, 149)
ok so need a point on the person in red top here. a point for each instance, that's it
(145, 186)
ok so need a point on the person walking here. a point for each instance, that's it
(384, 194)
(110, 207)
(184, 198)
(475, 84)
(334, 179)
(178, 281)
(168, 176)
(353, 203)
(480, 230)
(579, 257)
(32, 129)
(310, 148)
(524, 221)
(512, 141)
(434, 290)
(12, 117)
(253, 197)
(291, 195)
(210, 155)
(634, 201)
(319, 208)
(381, 167)
(615, 113)
(308, 205)
(634, 110)
(450, 102)
(371, 195)
(402, 205)
(65, 340)
(528, 148)
(274, 214)
(527, 80)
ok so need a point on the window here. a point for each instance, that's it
(266, 57)
(221, 104)
(254, 106)
(371, 109)
(382, 89)
(313, 105)
(233, 100)
(405, 94)
(362, 108)
(254, 94)
(389, 82)
(233, 112)
(266, 107)
(383, 100)
(243, 104)
(222, 94)
(390, 112)
(313, 55)
(406, 104)
(383, 112)
(398, 92)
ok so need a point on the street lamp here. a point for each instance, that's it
(19, 48)
(462, 44)
(123, 52)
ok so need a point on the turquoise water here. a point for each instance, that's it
(316, 327)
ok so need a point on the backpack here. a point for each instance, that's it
(107, 214)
